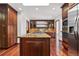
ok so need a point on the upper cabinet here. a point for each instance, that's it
(65, 7)
(42, 24)
(64, 11)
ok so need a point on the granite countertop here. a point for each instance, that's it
(35, 35)
(42, 30)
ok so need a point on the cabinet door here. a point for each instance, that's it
(35, 47)
(14, 18)
(10, 35)
(12, 24)
(65, 11)
(10, 17)
(3, 40)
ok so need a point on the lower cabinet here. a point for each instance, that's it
(34, 47)
(65, 45)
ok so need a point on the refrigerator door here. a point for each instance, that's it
(72, 37)
(78, 40)
(72, 20)
(72, 49)
(72, 40)
(78, 22)
(78, 35)
(78, 31)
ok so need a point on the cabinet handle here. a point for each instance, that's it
(75, 32)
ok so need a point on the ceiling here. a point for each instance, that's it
(52, 11)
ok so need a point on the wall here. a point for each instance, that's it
(21, 24)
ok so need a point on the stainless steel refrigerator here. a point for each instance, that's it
(73, 31)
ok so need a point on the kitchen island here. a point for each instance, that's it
(35, 44)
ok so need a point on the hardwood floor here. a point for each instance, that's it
(62, 53)
(53, 47)
(14, 50)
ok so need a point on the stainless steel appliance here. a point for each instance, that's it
(73, 31)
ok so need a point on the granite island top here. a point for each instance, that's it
(35, 35)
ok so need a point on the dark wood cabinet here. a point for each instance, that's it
(8, 26)
(64, 11)
(65, 8)
(65, 45)
(42, 23)
(35, 47)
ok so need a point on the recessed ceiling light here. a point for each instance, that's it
(20, 8)
(37, 9)
(53, 8)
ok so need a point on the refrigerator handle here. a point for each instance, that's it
(78, 28)
(76, 33)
